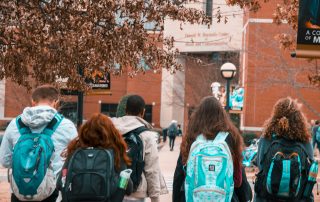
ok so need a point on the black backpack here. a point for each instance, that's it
(135, 153)
(89, 176)
(285, 171)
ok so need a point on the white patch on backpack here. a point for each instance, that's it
(27, 179)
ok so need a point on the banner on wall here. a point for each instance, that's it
(308, 39)
(236, 95)
(99, 82)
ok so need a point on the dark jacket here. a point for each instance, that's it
(314, 136)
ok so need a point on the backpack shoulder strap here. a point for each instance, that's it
(23, 129)
(221, 136)
(139, 130)
(221, 139)
(53, 124)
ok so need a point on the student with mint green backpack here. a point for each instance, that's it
(211, 153)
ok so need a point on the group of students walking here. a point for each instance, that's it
(210, 168)
(116, 159)
(109, 160)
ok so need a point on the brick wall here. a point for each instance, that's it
(270, 72)
(147, 85)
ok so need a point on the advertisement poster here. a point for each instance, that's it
(236, 95)
(99, 80)
(308, 40)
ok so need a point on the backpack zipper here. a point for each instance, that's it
(210, 190)
(110, 156)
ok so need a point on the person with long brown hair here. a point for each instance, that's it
(100, 133)
(209, 119)
(285, 132)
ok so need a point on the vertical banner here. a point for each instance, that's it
(308, 40)
(236, 95)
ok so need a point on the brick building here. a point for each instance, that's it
(269, 73)
(14, 98)
(266, 72)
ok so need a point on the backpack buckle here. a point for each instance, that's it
(28, 197)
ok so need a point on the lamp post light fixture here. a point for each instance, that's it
(228, 71)
(100, 106)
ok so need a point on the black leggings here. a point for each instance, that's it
(51, 198)
(171, 141)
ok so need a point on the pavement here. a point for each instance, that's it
(167, 160)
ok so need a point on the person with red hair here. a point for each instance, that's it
(100, 133)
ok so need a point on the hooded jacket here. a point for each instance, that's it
(37, 118)
(152, 184)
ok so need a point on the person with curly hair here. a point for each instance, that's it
(286, 129)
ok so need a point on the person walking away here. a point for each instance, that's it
(285, 156)
(32, 145)
(142, 150)
(315, 132)
(310, 128)
(213, 145)
(95, 163)
(165, 134)
(179, 130)
(172, 133)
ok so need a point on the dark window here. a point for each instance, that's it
(109, 109)
(209, 8)
(235, 118)
(148, 114)
(69, 110)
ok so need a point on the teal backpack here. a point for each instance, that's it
(31, 180)
(209, 175)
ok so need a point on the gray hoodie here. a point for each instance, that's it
(152, 184)
(36, 118)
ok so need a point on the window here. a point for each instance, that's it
(109, 109)
(209, 8)
(148, 113)
(69, 110)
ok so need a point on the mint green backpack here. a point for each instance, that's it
(209, 175)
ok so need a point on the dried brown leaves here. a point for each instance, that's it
(48, 39)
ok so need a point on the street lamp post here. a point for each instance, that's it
(228, 71)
